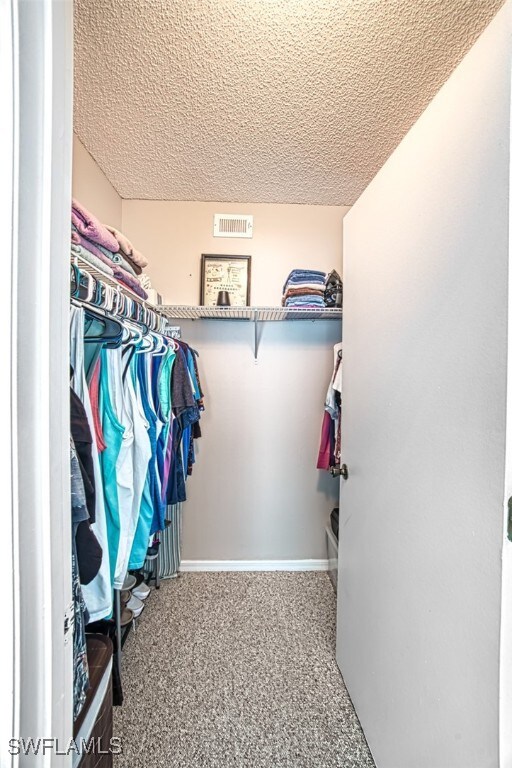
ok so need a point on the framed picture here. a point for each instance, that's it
(225, 273)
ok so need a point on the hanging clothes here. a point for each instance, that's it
(165, 440)
(170, 543)
(88, 550)
(97, 594)
(141, 396)
(125, 467)
(151, 496)
(186, 413)
(114, 423)
(135, 405)
(329, 455)
(140, 456)
(79, 515)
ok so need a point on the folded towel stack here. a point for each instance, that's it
(304, 288)
(106, 248)
(131, 254)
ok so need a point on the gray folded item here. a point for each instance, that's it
(117, 258)
(83, 253)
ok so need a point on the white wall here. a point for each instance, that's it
(92, 188)
(425, 368)
(255, 492)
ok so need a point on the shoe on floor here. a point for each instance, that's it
(125, 596)
(139, 577)
(129, 582)
(126, 617)
(135, 605)
(141, 591)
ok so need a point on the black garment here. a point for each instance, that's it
(88, 551)
(181, 388)
(81, 617)
(191, 453)
(187, 414)
(82, 438)
(176, 490)
(195, 355)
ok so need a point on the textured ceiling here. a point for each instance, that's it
(287, 101)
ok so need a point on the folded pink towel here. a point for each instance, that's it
(77, 238)
(88, 225)
(125, 246)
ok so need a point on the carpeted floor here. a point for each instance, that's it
(237, 669)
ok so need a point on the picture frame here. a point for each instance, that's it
(225, 273)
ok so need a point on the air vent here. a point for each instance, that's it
(232, 225)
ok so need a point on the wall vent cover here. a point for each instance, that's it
(232, 225)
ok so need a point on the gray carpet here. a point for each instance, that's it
(237, 669)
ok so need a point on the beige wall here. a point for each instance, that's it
(92, 188)
(173, 235)
(255, 493)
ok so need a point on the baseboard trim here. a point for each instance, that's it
(254, 565)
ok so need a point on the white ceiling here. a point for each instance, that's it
(287, 101)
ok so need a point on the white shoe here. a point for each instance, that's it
(135, 605)
(141, 590)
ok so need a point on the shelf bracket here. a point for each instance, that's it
(256, 337)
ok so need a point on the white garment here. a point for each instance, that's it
(98, 593)
(337, 379)
(141, 456)
(335, 383)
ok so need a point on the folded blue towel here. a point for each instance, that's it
(305, 275)
(307, 272)
(302, 301)
(295, 282)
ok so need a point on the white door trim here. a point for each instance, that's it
(9, 639)
(41, 294)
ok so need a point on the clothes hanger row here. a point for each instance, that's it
(124, 320)
(120, 331)
(86, 287)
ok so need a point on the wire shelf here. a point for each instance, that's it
(273, 314)
(99, 274)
